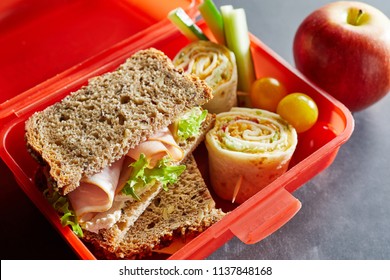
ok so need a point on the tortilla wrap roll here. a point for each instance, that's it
(216, 65)
(248, 149)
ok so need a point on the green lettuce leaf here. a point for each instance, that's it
(61, 205)
(164, 173)
(189, 125)
(142, 176)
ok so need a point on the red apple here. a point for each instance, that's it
(344, 47)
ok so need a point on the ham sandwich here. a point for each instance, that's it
(111, 146)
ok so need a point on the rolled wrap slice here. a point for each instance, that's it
(248, 149)
(216, 65)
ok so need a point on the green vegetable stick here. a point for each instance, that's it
(185, 24)
(214, 20)
(237, 40)
(226, 11)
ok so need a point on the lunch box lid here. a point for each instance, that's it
(42, 39)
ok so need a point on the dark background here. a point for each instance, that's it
(345, 209)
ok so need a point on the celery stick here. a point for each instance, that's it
(213, 18)
(237, 40)
(185, 24)
(226, 11)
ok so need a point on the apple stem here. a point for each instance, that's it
(359, 16)
(355, 17)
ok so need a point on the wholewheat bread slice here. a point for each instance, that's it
(109, 239)
(186, 209)
(98, 124)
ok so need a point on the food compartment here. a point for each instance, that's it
(251, 221)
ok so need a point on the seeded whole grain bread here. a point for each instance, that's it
(97, 124)
(186, 209)
(110, 239)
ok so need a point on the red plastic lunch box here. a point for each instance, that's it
(51, 48)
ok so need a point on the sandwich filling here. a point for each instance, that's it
(98, 201)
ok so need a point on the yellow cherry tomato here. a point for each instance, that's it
(299, 110)
(266, 93)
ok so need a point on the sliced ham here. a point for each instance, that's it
(96, 193)
(125, 174)
(157, 146)
(152, 149)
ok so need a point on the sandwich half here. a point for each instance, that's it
(111, 146)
